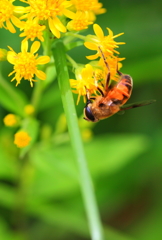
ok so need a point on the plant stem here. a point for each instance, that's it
(38, 89)
(76, 141)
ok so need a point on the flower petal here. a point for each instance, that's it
(24, 46)
(59, 25)
(35, 47)
(16, 22)
(90, 46)
(92, 57)
(11, 57)
(69, 14)
(43, 60)
(53, 28)
(98, 31)
(10, 27)
(41, 75)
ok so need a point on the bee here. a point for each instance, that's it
(111, 99)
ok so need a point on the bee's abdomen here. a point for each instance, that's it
(121, 92)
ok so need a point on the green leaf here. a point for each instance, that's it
(106, 155)
(7, 196)
(50, 97)
(72, 45)
(11, 98)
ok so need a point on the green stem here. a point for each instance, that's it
(73, 63)
(72, 121)
(39, 87)
(75, 35)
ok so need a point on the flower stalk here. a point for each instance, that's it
(76, 141)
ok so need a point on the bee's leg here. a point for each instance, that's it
(89, 99)
(100, 90)
(108, 75)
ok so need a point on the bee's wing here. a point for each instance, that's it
(138, 104)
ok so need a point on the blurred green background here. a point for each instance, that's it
(42, 200)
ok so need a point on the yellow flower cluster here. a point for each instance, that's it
(21, 137)
(39, 14)
(25, 63)
(93, 75)
(39, 19)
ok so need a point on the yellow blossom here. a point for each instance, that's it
(25, 63)
(3, 54)
(8, 15)
(29, 109)
(106, 43)
(113, 64)
(80, 22)
(92, 7)
(50, 10)
(85, 81)
(10, 120)
(32, 29)
(22, 139)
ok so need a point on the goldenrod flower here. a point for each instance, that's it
(10, 120)
(80, 22)
(106, 43)
(22, 139)
(25, 63)
(8, 15)
(92, 7)
(31, 30)
(50, 10)
(29, 109)
(3, 54)
(114, 65)
(85, 81)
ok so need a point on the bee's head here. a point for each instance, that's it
(88, 113)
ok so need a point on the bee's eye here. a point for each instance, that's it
(88, 114)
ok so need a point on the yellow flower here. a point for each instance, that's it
(22, 139)
(92, 7)
(10, 120)
(29, 109)
(106, 43)
(80, 22)
(114, 65)
(25, 63)
(85, 81)
(3, 54)
(50, 10)
(32, 29)
(8, 15)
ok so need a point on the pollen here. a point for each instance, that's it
(51, 11)
(10, 120)
(80, 22)
(32, 30)
(106, 43)
(22, 139)
(89, 5)
(8, 15)
(84, 82)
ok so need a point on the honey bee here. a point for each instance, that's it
(111, 99)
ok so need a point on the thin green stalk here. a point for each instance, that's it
(39, 87)
(75, 35)
(72, 121)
